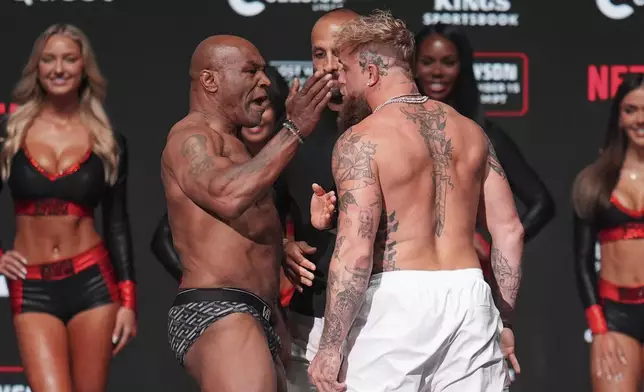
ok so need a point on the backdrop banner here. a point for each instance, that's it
(546, 82)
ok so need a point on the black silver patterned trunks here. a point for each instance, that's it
(194, 310)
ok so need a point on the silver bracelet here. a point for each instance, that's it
(290, 125)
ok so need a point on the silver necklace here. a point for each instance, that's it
(405, 98)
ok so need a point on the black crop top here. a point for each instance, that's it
(82, 187)
(615, 223)
(82, 184)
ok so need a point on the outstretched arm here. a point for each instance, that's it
(196, 159)
(195, 156)
(162, 247)
(360, 207)
(524, 182)
(501, 217)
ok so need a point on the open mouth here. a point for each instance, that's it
(437, 87)
(260, 102)
(255, 130)
(59, 81)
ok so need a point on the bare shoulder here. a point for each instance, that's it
(353, 160)
(188, 139)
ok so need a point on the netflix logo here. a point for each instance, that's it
(604, 80)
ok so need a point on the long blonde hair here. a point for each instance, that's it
(30, 96)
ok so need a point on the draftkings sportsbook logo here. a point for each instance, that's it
(618, 11)
(502, 80)
(250, 8)
(472, 13)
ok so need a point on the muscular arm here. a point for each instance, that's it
(196, 159)
(584, 242)
(360, 206)
(116, 229)
(162, 247)
(524, 182)
(501, 217)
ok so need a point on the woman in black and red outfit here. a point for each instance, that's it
(608, 200)
(73, 296)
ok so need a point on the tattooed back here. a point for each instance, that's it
(430, 162)
(241, 252)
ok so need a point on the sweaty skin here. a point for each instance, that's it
(225, 227)
(198, 150)
(385, 221)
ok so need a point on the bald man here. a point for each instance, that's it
(224, 224)
(309, 255)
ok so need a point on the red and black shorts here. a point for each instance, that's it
(67, 287)
(623, 309)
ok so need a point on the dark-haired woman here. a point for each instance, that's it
(608, 200)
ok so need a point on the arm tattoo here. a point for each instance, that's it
(493, 160)
(385, 246)
(338, 246)
(344, 298)
(431, 126)
(507, 277)
(345, 200)
(194, 149)
(368, 57)
(366, 223)
(265, 156)
(351, 163)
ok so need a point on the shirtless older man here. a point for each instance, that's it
(224, 224)
(407, 304)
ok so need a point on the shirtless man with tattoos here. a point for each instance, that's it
(225, 227)
(407, 306)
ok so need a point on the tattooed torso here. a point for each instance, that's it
(430, 173)
(244, 252)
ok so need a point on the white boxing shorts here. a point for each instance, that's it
(433, 331)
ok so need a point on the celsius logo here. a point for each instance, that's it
(615, 11)
(250, 8)
(247, 8)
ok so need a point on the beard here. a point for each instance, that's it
(354, 110)
(336, 96)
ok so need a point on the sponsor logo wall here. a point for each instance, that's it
(547, 84)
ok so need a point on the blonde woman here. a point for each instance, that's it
(72, 295)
